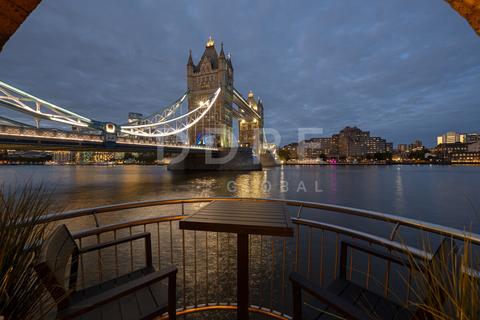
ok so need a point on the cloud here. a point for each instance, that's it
(402, 69)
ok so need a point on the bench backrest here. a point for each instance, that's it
(439, 274)
(58, 251)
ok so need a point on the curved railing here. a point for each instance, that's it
(206, 260)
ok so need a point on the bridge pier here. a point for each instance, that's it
(267, 159)
(226, 159)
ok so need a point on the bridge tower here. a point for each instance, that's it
(203, 79)
(251, 130)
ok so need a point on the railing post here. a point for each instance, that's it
(297, 301)
(322, 253)
(131, 249)
(195, 268)
(272, 280)
(158, 246)
(184, 271)
(284, 252)
(343, 260)
(116, 253)
(369, 267)
(387, 277)
(148, 250)
(297, 247)
(242, 276)
(172, 296)
(206, 268)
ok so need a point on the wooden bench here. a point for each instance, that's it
(137, 295)
(349, 300)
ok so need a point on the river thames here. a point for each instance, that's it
(447, 195)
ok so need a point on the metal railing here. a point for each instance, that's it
(206, 260)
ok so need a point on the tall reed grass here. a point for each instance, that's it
(448, 288)
(22, 296)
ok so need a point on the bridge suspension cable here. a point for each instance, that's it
(21, 101)
(167, 125)
(162, 115)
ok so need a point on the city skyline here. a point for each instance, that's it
(320, 71)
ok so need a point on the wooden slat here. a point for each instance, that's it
(272, 215)
(266, 210)
(377, 306)
(337, 286)
(111, 311)
(159, 292)
(130, 308)
(367, 300)
(237, 217)
(328, 316)
(351, 293)
(250, 213)
(92, 315)
(253, 210)
(238, 220)
(146, 302)
(385, 309)
(242, 204)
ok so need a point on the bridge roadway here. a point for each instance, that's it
(26, 138)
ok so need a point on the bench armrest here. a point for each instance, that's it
(103, 245)
(300, 283)
(93, 302)
(404, 261)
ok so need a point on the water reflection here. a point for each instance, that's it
(399, 196)
(254, 184)
(332, 190)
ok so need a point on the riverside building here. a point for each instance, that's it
(350, 143)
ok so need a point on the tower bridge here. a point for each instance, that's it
(215, 70)
(202, 118)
